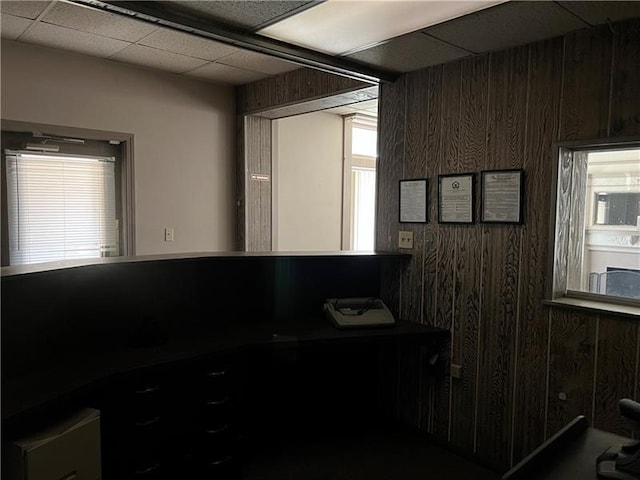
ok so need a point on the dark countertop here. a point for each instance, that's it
(71, 378)
(578, 460)
(65, 264)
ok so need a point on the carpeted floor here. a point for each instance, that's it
(384, 454)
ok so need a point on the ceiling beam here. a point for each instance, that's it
(161, 14)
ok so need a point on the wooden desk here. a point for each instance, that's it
(254, 377)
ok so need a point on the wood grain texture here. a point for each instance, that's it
(500, 262)
(432, 165)
(529, 107)
(417, 106)
(625, 119)
(240, 191)
(448, 131)
(391, 118)
(391, 121)
(563, 202)
(575, 250)
(586, 89)
(615, 372)
(472, 157)
(545, 60)
(409, 385)
(258, 193)
(572, 364)
(292, 87)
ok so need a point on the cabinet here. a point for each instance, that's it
(172, 422)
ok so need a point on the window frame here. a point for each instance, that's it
(124, 171)
(561, 210)
(351, 160)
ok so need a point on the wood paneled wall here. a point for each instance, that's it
(487, 282)
(290, 88)
(254, 185)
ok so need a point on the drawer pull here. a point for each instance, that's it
(147, 423)
(148, 470)
(148, 390)
(222, 461)
(222, 401)
(216, 431)
(218, 373)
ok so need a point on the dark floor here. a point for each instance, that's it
(383, 454)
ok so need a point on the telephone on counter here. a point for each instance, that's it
(358, 312)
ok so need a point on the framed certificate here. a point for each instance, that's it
(413, 201)
(455, 198)
(502, 196)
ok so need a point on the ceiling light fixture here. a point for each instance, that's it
(345, 26)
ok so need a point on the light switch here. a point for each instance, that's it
(168, 234)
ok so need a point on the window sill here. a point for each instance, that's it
(592, 306)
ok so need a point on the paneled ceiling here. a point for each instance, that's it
(238, 42)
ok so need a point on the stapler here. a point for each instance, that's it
(623, 463)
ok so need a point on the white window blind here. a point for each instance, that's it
(60, 207)
(364, 208)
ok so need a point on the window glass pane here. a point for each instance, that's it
(60, 208)
(604, 251)
(364, 141)
(364, 208)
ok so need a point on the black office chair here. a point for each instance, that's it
(531, 465)
(623, 462)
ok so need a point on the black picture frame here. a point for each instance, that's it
(468, 203)
(413, 201)
(502, 196)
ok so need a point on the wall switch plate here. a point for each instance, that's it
(405, 239)
(168, 234)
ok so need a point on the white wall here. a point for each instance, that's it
(184, 136)
(307, 182)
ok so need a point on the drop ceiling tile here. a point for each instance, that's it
(245, 14)
(258, 62)
(151, 57)
(225, 74)
(98, 22)
(507, 25)
(186, 44)
(24, 8)
(344, 27)
(597, 13)
(12, 27)
(74, 40)
(409, 52)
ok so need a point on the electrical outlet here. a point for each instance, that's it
(168, 234)
(405, 239)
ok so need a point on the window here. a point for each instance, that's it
(60, 207)
(597, 225)
(67, 193)
(360, 133)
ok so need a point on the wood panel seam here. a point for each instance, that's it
(546, 397)
(636, 392)
(519, 289)
(595, 372)
(482, 230)
(611, 70)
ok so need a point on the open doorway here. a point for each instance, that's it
(323, 179)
